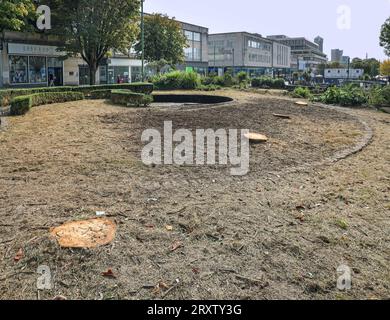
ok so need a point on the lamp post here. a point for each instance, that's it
(143, 40)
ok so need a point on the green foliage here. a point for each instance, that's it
(164, 41)
(228, 79)
(371, 66)
(242, 77)
(268, 83)
(177, 80)
(94, 28)
(385, 36)
(349, 95)
(379, 96)
(130, 99)
(209, 87)
(14, 13)
(302, 92)
(101, 94)
(21, 105)
(7, 94)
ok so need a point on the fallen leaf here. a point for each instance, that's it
(19, 256)
(176, 245)
(196, 270)
(109, 274)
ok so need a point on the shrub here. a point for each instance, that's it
(349, 95)
(242, 77)
(210, 87)
(130, 99)
(177, 80)
(228, 79)
(268, 83)
(21, 105)
(379, 96)
(101, 94)
(301, 92)
(7, 94)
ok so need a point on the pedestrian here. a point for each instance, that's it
(51, 80)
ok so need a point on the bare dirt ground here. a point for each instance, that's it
(276, 233)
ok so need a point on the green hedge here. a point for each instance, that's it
(7, 94)
(101, 94)
(130, 99)
(21, 105)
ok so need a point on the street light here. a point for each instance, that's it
(143, 40)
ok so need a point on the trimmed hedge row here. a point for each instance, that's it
(7, 94)
(21, 105)
(101, 94)
(130, 99)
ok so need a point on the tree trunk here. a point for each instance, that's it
(92, 73)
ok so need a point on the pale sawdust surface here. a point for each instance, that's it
(272, 234)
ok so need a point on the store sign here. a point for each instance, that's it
(35, 50)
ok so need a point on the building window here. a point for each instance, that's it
(194, 50)
(37, 69)
(18, 69)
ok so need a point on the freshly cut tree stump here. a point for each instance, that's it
(301, 103)
(283, 116)
(85, 234)
(256, 138)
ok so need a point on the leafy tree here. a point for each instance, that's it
(14, 13)
(385, 68)
(164, 41)
(385, 36)
(93, 28)
(370, 66)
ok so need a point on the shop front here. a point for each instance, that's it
(30, 65)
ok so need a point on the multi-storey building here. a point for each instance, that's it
(27, 59)
(305, 55)
(249, 52)
(336, 55)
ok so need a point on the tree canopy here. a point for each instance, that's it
(370, 66)
(14, 13)
(164, 41)
(94, 28)
(385, 36)
(385, 68)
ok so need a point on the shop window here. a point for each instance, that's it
(136, 74)
(18, 69)
(37, 70)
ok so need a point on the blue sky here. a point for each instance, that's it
(357, 35)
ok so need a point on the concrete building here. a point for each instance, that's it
(249, 52)
(305, 55)
(320, 42)
(336, 55)
(196, 55)
(27, 60)
(339, 75)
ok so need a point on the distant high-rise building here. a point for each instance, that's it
(305, 55)
(336, 55)
(320, 41)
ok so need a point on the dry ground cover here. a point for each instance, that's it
(274, 233)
